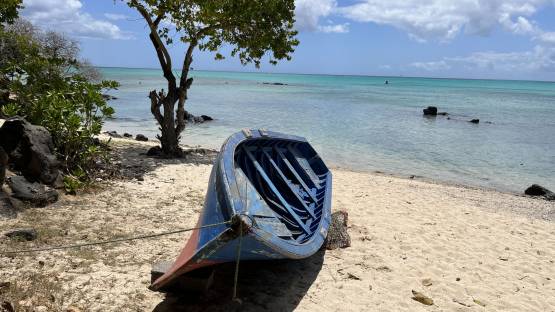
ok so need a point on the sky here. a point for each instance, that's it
(492, 39)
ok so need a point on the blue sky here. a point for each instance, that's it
(508, 39)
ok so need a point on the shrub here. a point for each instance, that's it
(43, 81)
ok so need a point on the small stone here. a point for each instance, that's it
(73, 309)
(27, 234)
(338, 237)
(127, 135)
(7, 306)
(475, 121)
(427, 282)
(140, 137)
(457, 279)
(420, 297)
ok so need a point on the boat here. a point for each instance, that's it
(269, 193)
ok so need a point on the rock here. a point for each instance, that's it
(155, 151)
(538, 190)
(30, 149)
(7, 207)
(113, 134)
(73, 309)
(417, 296)
(338, 237)
(33, 192)
(127, 135)
(109, 97)
(275, 83)
(197, 119)
(443, 113)
(475, 121)
(27, 234)
(140, 137)
(427, 282)
(3, 165)
(7, 306)
(430, 111)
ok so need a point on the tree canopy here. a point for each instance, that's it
(253, 30)
(8, 10)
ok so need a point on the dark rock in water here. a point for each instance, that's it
(127, 135)
(538, 190)
(430, 111)
(475, 121)
(113, 134)
(338, 237)
(275, 83)
(190, 118)
(443, 113)
(141, 138)
(109, 97)
(155, 151)
(206, 118)
(38, 194)
(30, 149)
(27, 234)
(3, 165)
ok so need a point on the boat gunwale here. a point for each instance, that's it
(227, 167)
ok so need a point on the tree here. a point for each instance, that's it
(253, 28)
(8, 11)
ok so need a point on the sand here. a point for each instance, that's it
(467, 249)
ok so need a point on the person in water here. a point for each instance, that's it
(386, 82)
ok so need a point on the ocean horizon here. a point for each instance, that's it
(360, 123)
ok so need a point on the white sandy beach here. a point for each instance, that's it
(481, 249)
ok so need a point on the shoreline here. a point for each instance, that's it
(378, 172)
(472, 244)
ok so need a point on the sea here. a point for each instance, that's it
(361, 123)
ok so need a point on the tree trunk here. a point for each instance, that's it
(163, 109)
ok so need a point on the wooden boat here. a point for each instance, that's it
(275, 193)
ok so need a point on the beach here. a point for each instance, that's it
(466, 248)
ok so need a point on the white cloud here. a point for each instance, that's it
(337, 28)
(309, 12)
(538, 59)
(115, 17)
(443, 19)
(547, 37)
(431, 66)
(67, 16)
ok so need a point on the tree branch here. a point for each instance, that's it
(161, 51)
(155, 103)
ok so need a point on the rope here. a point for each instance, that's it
(117, 240)
(237, 262)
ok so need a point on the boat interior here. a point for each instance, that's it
(291, 178)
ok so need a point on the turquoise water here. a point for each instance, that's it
(358, 122)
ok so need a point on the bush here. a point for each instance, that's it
(42, 80)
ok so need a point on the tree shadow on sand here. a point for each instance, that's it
(262, 285)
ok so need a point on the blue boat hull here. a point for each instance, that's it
(271, 191)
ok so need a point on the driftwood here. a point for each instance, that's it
(338, 237)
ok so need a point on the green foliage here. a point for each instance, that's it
(252, 28)
(45, 83)
(8, 11)
(74, 181)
